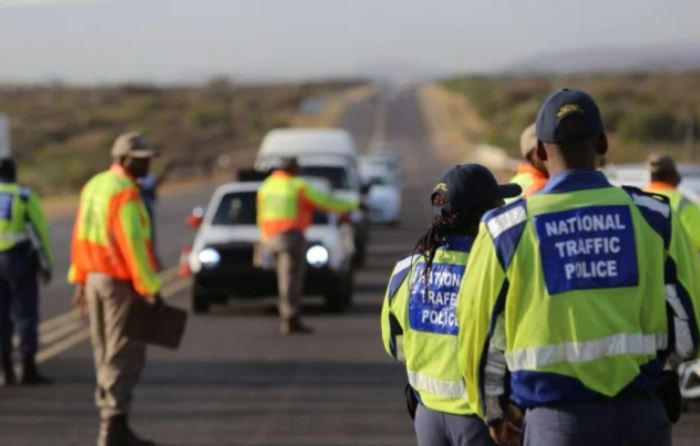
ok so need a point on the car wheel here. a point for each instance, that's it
(199, 303)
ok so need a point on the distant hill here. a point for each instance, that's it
(680, 57)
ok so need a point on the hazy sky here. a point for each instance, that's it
(107, 40)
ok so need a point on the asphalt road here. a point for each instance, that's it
(235, 381)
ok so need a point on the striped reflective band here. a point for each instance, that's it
(447, 389)
(501, 223)
(653, 204)
(681, 325)
(14, 238)
(620, 344)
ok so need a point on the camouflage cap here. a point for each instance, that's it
(134, 145)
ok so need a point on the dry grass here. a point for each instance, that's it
(61, 135)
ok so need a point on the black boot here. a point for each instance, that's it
(295, 326)
(115, 431)
(31, 375)
(8, 371)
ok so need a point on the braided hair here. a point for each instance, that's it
(444, 225)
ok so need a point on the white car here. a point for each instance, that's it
(222, 264)
(384, 197)
(383, 153)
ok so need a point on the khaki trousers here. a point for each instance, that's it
(289, 251)
(118, 360)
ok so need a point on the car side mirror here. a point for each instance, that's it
(194, 220)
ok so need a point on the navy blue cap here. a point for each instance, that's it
(562, 104)
(470, 185)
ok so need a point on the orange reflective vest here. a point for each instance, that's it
(287, 203)
(530, 179)
(112, 233)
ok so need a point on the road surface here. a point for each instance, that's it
(235, 381)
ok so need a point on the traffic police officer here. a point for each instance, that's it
(113, 266)
(531, 175)
(286, 204)
(564, 314)
(418, 317)
(665, 178)
(25, 255)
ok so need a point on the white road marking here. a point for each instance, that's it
(76, 338)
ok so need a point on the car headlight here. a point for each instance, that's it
(209, 257)
(317, 256)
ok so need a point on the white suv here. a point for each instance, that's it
(221, 259)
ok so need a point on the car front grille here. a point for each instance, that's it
(238, 255)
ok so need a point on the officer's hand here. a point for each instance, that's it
(156, 300)
(508, 433)
(79, 301)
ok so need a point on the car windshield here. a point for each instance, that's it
(240, 208)
(336, 175)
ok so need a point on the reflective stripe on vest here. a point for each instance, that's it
(14, 238)
(13, 215)
(447, 389)
(572, 352)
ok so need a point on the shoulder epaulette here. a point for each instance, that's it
(506, 225)
(401, 271)
(656, 210)
(24, 192)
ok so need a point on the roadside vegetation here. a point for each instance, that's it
(643, 112)
(61, 135)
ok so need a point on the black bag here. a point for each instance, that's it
(411, 401)
(670, 393)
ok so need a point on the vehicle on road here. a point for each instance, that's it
(384, 153)
(329, 154)
(300, 141)
(637, 175)
(384, 198)
(223, 264)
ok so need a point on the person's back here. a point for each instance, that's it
(583, 290)
(419, 320)
(429, 310)
(598, 238)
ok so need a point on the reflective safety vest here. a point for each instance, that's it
(568, 293)
(22, 220)
(419, 325)
(112, 233)
(287, 203)
(688, 212)
(530, 180)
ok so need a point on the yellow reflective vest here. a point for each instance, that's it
(419, 325)
(568, 296)
(286, 202)
(688, 212)
(22, 220)
(112, 233)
